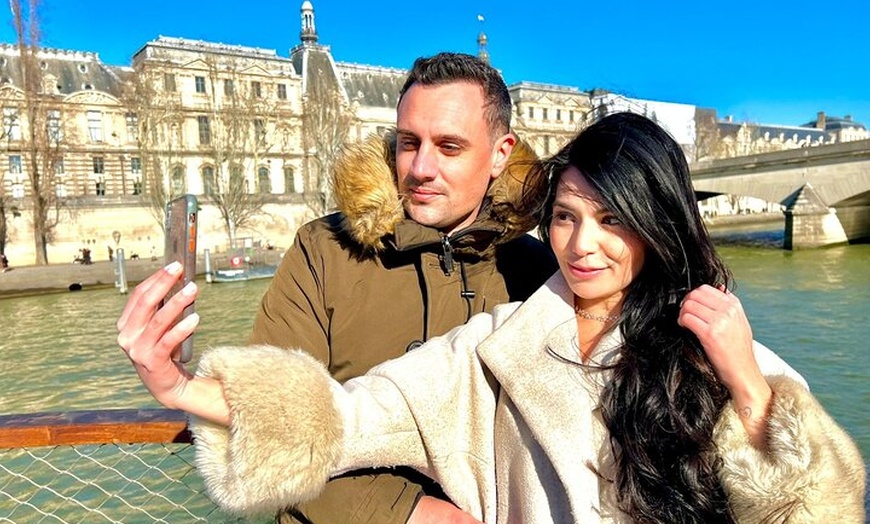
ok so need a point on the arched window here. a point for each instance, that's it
(177, 181)
(289, 180)
(264, 182)
(208, 182)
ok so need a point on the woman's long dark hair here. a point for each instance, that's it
(665, 397)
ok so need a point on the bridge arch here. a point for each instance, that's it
(825, 189)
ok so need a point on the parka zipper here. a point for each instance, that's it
(448, 265)
(447, 255)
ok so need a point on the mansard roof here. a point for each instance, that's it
(201, 46)
(538, 86)
(731, 128)
(315, 61)
(72, 70)
(372, 86)
(833, 123)
(183, 51)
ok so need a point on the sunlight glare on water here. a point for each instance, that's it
(59, 352)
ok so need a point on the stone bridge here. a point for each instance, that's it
(825, 189)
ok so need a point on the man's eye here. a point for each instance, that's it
(561, 216)
(408, 145)
(450, 148)
(611, 220)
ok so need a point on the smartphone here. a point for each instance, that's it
(180, 228)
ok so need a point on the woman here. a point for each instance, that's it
(627, 389)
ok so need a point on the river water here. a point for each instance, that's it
(58, 352)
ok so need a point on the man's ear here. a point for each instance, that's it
(501, 153)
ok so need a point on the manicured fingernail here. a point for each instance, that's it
(189, 289)
(190, 321)
(173, 268)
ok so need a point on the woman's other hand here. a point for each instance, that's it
(716, 317)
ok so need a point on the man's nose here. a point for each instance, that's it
(425, 164)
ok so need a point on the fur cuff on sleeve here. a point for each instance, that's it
(286, 433)
(811, 470)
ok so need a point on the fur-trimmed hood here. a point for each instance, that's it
(366, 193)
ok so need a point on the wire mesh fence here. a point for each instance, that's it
(102, 482)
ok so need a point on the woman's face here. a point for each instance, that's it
(598, 255)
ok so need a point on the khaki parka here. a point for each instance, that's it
(366, 284)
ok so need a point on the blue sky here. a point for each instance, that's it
(763, 61)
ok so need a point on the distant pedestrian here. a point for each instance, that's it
(111, 253)
(4, 263)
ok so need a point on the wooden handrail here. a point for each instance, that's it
(111, 426)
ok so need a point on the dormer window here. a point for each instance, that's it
(83, 68)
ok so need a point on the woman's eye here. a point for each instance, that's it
(610, 220)
(561, 216)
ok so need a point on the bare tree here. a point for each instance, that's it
(159, 119)
(237, 140)
(326, 123)
(5, 203)
(708, 144)
(236, 127)
(6, 209)
(42, 137)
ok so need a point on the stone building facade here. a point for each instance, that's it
(212, 119)
(193, 116)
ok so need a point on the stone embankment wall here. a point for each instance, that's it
(140, 232)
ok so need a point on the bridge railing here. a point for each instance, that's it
(101, 466)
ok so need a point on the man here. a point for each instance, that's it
(431, 230)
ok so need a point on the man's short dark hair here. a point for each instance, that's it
(447, 68)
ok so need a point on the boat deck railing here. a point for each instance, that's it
(101, 466)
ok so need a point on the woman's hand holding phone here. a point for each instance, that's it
(149, 336)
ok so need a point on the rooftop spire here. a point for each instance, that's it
(309, 33)
(482, 52)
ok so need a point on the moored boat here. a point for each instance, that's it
(248, 262)
(244, 273)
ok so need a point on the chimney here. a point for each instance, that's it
(729, 118)
(847, 118)
(820, 120)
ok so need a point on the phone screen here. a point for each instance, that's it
(181, 224)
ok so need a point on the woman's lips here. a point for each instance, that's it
(586, 272)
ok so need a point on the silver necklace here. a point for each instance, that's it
(592, 316)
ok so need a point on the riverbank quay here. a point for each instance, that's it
(730, 222)
(67, 277)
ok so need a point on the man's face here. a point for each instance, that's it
(445, 154)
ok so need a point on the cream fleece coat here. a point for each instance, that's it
(500, 414)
